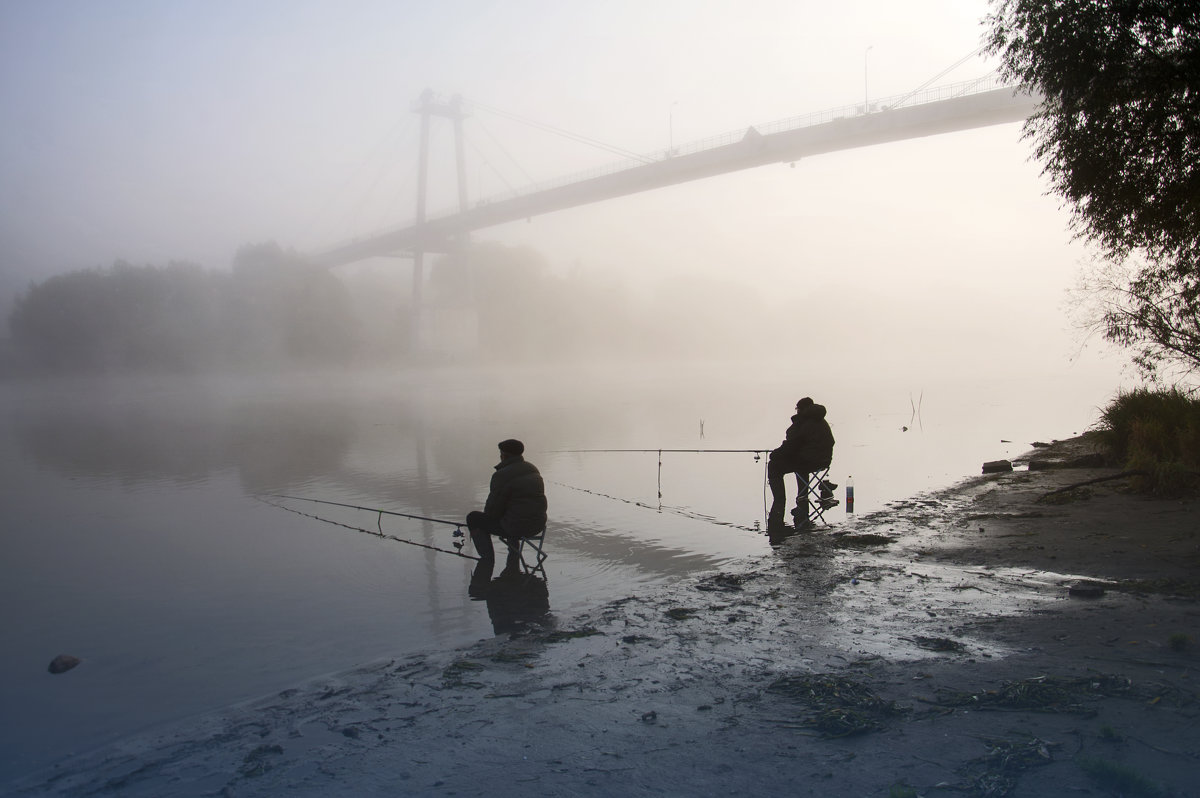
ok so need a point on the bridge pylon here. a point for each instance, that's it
(428, 105)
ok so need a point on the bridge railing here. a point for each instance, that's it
(922, 96)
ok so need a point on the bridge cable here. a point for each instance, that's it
(939, 75)
(502, 149)
(565, 133)
(385, 143)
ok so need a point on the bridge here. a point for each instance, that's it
(943, 109)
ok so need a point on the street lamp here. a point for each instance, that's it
(671, 129)
(866, 93)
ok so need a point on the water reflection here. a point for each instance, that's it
(268, 444)
(517, 599)
(132, 499)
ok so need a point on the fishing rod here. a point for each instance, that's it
(660, 451)
(660, 508)
(456, 524)
(758, 453)
(378, 534)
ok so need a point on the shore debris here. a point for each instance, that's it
(681, 613)
(1003, 764)
(724, 583)
(937, 644)
(840, 706)
(997, 466)
(1044, 694)
(1086, 590)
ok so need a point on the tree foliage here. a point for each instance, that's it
(1119, 138)
(272, 308)
(489, 301)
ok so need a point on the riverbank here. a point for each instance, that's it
(997, 638)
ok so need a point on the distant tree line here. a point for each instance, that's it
(274, 309)
(270, 308)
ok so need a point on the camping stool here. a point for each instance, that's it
(809, 486)
(535, 543)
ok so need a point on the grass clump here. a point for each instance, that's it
(1156, 432)
(1117, 779)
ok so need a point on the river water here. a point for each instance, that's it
(134, 534)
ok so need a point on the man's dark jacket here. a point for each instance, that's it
(808, 442)
(517, 498)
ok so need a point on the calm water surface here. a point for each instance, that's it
(132, 533)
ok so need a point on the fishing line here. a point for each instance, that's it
(380, 533)
(456, 524)
(660, 509)
(686, 514)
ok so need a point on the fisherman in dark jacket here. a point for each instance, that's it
(515, 508)
(807, 446)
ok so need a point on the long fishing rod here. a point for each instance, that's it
(756, 452)
(378, 534)
(697, 451)
(659, 509)
(456, 524)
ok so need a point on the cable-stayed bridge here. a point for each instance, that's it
(942, 109)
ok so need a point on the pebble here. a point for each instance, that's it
(63, 663)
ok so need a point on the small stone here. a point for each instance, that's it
(63, 663)
(997, 466)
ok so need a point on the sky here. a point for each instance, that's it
(156, 130)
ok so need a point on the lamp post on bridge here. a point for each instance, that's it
(866, 92)
(671, 129)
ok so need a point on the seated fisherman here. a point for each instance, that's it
(515, 508)
(807, 447)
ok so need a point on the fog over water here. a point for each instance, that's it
(917, 289)
(136, 537)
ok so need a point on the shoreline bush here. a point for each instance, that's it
(1156, 431)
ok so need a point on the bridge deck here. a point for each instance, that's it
(995, 106)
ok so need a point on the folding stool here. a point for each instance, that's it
(809, 486)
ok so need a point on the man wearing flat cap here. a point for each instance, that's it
(807, 446)
(515, 507)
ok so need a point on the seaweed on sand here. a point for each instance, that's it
(1042, 694)
(995, 774)
(839, 706)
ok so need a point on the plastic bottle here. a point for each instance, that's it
(849, 494)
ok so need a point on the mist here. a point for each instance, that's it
(300, 135)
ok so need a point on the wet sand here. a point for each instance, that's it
(977, 641)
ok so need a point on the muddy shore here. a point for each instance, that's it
(997, 638)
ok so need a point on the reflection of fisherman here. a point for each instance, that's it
(515, 508)
(807, 447)
(516, 600)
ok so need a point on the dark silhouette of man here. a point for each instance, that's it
(515, 509)
(517, 601)
(807, 446)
